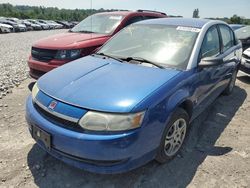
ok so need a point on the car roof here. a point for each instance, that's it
(126, 13)
(186, 22)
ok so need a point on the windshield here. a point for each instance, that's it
(243, 32)
(169, 46)
(98, 23)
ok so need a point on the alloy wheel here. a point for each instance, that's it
(175, 137)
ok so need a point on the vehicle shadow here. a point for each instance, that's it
(204, 131)
(244, 78)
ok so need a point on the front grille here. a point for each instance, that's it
(91, 161)
(44, 55)
(58, 121)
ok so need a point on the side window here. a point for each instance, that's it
(211, 43)
(133, 20)
(227, 37)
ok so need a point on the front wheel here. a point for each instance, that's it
(173, 136)
(231, 84)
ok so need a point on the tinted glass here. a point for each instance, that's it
(227, 37)
(211, 43)
(169, 46)
(133, 20)
(98, 23)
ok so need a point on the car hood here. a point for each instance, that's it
(103, 84)
(6, 25)
(65, 39)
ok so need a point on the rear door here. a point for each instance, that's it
(231, 51)
(219, 41)
(210, 77)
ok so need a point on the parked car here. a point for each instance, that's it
(65, 24)
(134, 99)
(5, 28)
(82, 40)
(49, 25)
(236, 26)
(74, 23)
(21, 27)
(55, 25)
(43, 25)
(32, 25)
(16, 27)
(245, 62)
(243, 35)
(28, 25)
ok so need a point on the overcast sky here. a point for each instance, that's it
(208, 8)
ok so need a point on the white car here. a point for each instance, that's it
(5, 28)
(55, 25)
(245, 61)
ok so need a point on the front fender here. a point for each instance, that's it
(177, 98)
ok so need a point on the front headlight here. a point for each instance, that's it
(68, 54)
(35, 91)
(110, 122)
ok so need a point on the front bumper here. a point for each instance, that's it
(245, 65)
(5, 30)
(100, 153)
(39, 68)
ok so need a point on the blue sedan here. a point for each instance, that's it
(134, 99)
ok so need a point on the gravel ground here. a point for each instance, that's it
(216, 152)
(14, 50)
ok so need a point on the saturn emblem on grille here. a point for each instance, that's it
(52, 105)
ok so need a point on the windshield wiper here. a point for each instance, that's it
(142, 60)
(109, 56)
(85, 31)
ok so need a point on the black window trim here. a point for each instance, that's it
(218, 31)
(136, 16)
(234, 38)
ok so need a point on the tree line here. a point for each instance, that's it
(53, 13)
(235, 19)
(46, 13)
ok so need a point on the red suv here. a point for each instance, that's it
(82, 40)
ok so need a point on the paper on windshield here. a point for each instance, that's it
(115, 17)
(191, 29)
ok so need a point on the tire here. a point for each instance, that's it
(231, 84)
(173, 136)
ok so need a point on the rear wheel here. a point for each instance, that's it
(173, 136)
(231, 84)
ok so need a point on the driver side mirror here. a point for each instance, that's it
(210, 62)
